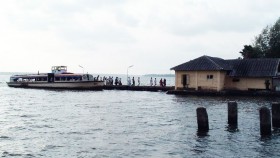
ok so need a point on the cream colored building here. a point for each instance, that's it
(216, 74)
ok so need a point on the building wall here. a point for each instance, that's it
(201, 80)
(246, 83)
(222, 80)
(198, 80)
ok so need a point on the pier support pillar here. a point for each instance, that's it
(202, 119)
(265, 121)
(232, 114)
(276, 115)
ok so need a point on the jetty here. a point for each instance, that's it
(109, 87)
(139, 88)
(266, 93)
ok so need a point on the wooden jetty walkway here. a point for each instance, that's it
(138, 88)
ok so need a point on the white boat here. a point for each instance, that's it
(59, 78)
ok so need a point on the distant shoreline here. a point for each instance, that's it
(161, 75)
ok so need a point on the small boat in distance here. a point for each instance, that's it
(59, 78)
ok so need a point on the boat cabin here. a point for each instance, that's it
(58, 74)
(59, 69)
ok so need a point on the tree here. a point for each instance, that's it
(274, 41)
(262, 42)
(250, 52)
(266, 44)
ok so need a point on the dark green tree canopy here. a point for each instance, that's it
(265, 45)
(250, 52)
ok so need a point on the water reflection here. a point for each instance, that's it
(232, 128)
(201, 134)
(201, 144)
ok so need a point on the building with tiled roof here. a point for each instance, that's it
(211, 73)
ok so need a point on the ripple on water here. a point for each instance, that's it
(5, 138)
(8, 154)
(51, 147)
(126, 124)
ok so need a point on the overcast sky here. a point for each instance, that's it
(107, 36)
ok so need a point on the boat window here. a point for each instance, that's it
(57, 78)
(76, 78)
(14, 79)
(90, 78)
(87, 77)
(62, 68)
(59, 68)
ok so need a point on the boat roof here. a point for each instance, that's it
(46, 74)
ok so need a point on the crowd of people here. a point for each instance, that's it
(110, 80)
(162, 82)
(130, 81)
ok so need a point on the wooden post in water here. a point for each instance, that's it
(265, 121)
(232, 114)
(276, 115)
(202, 119)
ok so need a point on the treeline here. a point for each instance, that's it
(160, 75)
(265, 45)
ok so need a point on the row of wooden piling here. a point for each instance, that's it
(265, 118)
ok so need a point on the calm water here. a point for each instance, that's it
(46, 123)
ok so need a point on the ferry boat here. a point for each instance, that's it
(59, 78)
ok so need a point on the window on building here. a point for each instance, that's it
(235, 80)
(209, 77)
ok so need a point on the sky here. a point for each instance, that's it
(108, 36)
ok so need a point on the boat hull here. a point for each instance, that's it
(83, 85)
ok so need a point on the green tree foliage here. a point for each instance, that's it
(250, 52)
(266, 45)
(262, 42)
(274, 41)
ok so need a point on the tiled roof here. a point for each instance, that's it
(235, 67)
(202, 63)
(255, 68)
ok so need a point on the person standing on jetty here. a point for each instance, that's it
(120, 81)
(155, 81)
(133, 81)
(116, 81)
(164, 82)
(128, 81)
(151, 81)
(138, 81)
(160, 82)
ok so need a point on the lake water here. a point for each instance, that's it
(85, 124)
